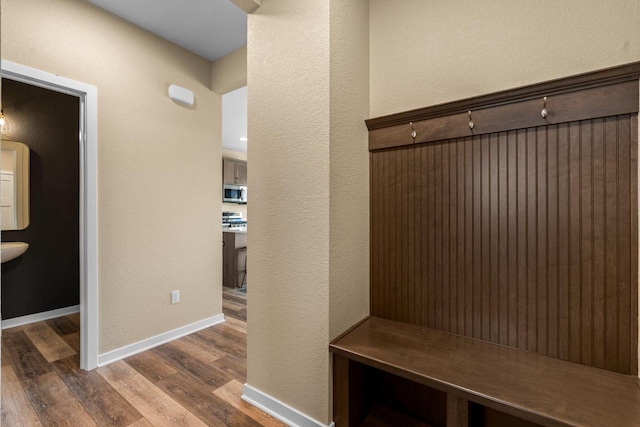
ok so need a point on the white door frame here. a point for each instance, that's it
(88, 96)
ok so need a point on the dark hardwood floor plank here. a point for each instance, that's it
(236, 324)
(63, 325)
(151, 366)
(229, 346)
(6, 360)
(191, 344)
(201, 402)
(182, 362)
(202, 371)
(73, 340)
(232, 367)
(180, 387)
(48, 343)
(142, 422)
(75, 318)
(232, 306)
(105, 405)
(228, 333)
(154, 404)
(16, 407)
(232, 392)
(233, 297)
(232, 310)
(54, 402)
(25, 358)
(205, 355)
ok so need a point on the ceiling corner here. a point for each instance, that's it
(249, 6)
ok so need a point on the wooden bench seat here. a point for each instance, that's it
(526, 385)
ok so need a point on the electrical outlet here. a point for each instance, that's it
(175, 297)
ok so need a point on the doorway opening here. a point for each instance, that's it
(88, 195)
(235, 195)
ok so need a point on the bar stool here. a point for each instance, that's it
(244, 275)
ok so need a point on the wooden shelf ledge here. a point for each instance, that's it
(536, 388)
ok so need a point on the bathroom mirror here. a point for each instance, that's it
(14, 191)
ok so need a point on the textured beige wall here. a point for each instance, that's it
(229, 72)
(308, 98)
(288, 111)
(158, 162)
(426, 53)
(349, 165)
(234, 207)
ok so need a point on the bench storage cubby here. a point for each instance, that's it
(440, 379)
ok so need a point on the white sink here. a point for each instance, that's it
(11, 250)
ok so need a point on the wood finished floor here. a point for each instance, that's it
(193, 381)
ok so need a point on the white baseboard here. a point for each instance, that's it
(39, 317)
(146, 344)
(285, 413)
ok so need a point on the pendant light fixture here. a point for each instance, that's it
(4, 123)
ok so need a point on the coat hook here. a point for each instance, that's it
(471, 124)
(544, 112)
(413, 132)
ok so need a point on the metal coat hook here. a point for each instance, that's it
(471, 124)
(544, 112)
(413, 132)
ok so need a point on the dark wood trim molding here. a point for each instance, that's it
(587, 96)
(606, 101)
(608, 76)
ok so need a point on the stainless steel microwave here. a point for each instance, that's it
(234, 194)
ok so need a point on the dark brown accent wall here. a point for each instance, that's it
(525, 237)
(46, 277)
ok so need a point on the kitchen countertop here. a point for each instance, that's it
(242, 230)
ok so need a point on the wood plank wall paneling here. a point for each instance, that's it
(526, 238)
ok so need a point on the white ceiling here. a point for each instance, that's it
(234, 120)
(209, 28)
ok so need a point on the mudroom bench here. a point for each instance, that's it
(503, 262)
(393, 373)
